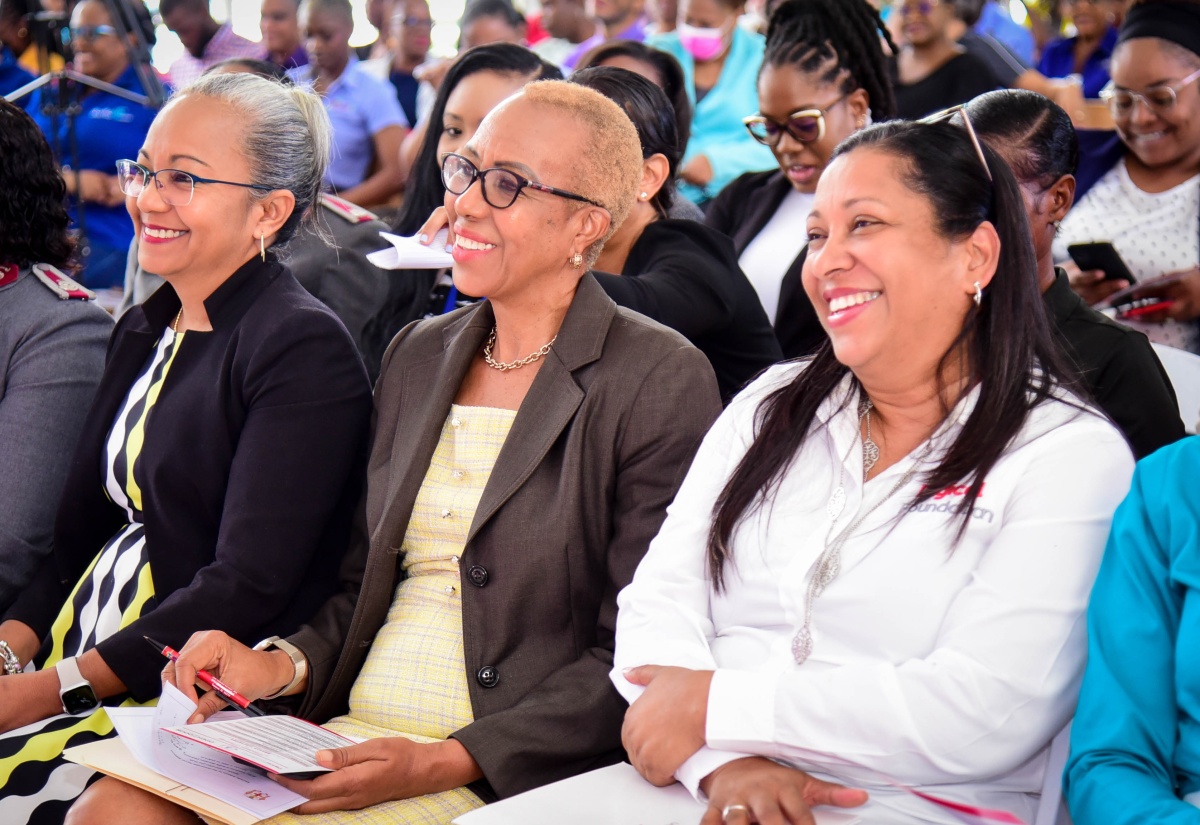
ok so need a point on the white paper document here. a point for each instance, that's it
(279, 744)
(197, 766)
(409, 253)
(615, 795)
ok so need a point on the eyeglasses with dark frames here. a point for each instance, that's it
(501, 187)
(805, 125)
(961, 109)
(1158, 99)
(175, 187)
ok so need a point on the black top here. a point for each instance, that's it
(741, 211)
(1119, 369)
(956, 81)
(686, 276)
(252, 465)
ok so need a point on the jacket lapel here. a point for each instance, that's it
(427, 391)
(552, 400)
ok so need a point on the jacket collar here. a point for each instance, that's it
(1060, 299)
(225, 305)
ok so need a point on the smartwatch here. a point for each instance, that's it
(299, 662)
(76, 693)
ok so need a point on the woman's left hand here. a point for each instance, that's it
(1184, 295)
(380, 770)
(698, 171)
(665, 725)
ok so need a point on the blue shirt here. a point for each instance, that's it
(359, 106)
(994, 20)
(1058, 60)
(406, 92)
(717, 130)
(1135, 744)
(109, 128)
(13, 75)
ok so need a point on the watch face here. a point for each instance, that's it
(79, 699)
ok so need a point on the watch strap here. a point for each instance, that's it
(68, 674)
(299, 662)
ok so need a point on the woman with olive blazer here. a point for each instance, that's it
(741, 211)
(252, 462)
(595, 454)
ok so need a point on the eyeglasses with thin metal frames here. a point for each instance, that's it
(133, 178)
(767, 139)
(946, 114)
(1123, 100)
(90, 33)
(454, 165)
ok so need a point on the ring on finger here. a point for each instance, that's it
(728, 809)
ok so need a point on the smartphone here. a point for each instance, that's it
(1101, 255)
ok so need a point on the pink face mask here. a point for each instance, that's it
(702, 44)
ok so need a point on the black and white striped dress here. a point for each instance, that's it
(36, 784)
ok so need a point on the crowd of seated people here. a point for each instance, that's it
(763, 432)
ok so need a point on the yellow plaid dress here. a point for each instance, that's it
(414, 682)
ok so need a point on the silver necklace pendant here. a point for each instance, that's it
(870, 455)
(802, 645)
(837, 502)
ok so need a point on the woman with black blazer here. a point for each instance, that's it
(681, 273)
(823, 77)
(525, 451)
(218, 469)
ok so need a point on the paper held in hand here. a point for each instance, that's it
(409, 253)
(197, 776)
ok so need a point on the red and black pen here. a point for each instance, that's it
(232, 697)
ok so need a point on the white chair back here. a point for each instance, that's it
(1183, 368)
(1052, 809)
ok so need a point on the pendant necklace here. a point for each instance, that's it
(828, 564)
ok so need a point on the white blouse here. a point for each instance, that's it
(768, 257)
(948, 668)
(1154, 232)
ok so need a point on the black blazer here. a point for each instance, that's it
(686, 276)
(596, 452)
(250, 470)
(741, 211)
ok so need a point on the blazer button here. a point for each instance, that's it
(488, 676)
(477, 575)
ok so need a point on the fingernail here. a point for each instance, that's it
(627, 671)
(449, 247)
(324, 757)
(195, 718)
(423, 238)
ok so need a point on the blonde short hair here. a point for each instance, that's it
(609, 171)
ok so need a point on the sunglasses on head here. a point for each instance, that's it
(805, 126)
(961, 110)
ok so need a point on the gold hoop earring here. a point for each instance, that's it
(577, 260)
(262, 246)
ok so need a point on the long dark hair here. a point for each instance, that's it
(668, 69)
(840, 37)
(424, 191)
(1007, 344)
(652, 116)
(1039, 138)
(33, 212)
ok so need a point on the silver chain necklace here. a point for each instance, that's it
(829, 563)
(505, 366)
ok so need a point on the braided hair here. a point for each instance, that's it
(839, 39)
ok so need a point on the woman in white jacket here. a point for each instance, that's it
(877, 568)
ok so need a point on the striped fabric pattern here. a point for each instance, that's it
(414, 682)
(36, 785)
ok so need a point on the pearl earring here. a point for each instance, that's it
(644, 196)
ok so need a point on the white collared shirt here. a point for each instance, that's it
(945, 668)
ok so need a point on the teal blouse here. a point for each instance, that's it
(1135, 744)
(717, 130)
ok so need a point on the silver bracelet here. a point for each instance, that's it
(12, 665)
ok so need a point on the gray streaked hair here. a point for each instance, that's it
(287, 140)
